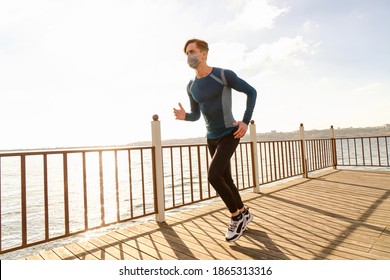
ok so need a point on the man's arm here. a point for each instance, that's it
(242, 86)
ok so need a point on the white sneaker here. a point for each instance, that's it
(236, 228)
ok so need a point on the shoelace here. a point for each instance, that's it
(233, 225)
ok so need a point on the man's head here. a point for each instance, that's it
(196, 51)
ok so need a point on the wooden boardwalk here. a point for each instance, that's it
(332, 215)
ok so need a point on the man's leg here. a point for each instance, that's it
(219, 175)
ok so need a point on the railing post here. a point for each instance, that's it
(23, 199)
(255, 160)
(333, 143)
(158, 176)
(303, 151)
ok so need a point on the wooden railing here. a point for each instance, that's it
(46, 195)
(51, 194)
(363, 151)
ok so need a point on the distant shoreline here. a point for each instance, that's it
(383, 130)
(293, 135)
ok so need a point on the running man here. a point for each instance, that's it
(210, 95)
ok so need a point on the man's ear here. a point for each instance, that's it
(204, 55)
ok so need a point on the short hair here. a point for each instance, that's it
(202, 45)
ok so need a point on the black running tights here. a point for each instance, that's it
(219, 175)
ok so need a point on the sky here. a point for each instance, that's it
(94, 72)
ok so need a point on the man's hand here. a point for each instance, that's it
(241, 131)
(180, 113)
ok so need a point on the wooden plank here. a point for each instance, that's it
(64, 253)
(49, 255)
(80, 253)
(149, 247)
(136, 249)
(183, 243)
(110, 251)
(99, 253)
(380, 254)
(131, 252)
(161, 243)
(36, 257)
(123, 253)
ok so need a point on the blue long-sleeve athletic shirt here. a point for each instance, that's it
(211, 96)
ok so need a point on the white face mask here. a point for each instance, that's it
(193, 61)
